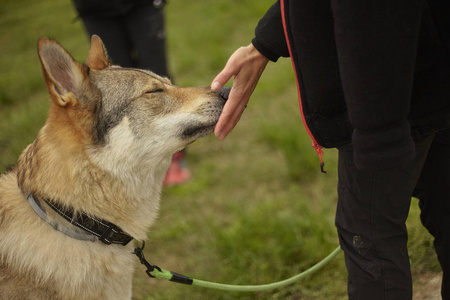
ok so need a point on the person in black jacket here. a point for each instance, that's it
(374, 81)
(132, 31)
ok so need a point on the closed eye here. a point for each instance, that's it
(154, 91)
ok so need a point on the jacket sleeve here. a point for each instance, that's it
(376, 44)
(269, 35)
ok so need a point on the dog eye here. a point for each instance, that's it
(154, 91)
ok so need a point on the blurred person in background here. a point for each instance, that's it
(373, 81)
(134, 36)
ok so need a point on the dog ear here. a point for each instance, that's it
(97, 57)
(63, 75)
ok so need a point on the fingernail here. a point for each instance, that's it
(215, 86)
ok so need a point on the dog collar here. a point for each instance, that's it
(92, 229)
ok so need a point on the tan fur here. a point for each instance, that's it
(103, 150)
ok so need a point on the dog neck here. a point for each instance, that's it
(80, 226)
(54, 169)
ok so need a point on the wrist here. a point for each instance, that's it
(255, 55)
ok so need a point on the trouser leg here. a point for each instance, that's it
(145, 25)
(433, 190)
(370, 218)
(115, 37)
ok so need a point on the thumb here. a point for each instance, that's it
(221, 79)
(224, 76)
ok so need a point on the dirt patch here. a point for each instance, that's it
(427, 286)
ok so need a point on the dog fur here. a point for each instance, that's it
(104, 150)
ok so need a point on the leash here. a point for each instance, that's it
(108, 233)
(154, 271)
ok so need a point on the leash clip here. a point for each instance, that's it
(140, 254)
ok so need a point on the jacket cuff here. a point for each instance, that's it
(269, 34)
(264, 51)
(383, 149)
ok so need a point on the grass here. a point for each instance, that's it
(257, 209)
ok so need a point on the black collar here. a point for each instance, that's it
(106, 232)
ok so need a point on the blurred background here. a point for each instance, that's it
(257, 209)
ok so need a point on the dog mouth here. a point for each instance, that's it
(197, 131)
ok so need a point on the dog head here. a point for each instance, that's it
(123, 118)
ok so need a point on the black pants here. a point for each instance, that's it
(135, 39)
(371, 215)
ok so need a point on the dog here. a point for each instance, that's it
(94, 173)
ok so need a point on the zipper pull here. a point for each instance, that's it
(319, 153)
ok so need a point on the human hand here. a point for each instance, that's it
(245, 66)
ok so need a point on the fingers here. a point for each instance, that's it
(231, 113)
(245, 66)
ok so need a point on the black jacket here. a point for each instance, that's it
(374, 73)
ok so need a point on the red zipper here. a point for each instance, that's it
(315, 144)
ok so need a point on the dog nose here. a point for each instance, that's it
(224, 93)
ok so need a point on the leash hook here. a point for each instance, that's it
(140, 254)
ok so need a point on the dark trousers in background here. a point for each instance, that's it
(135, 39)
(372, 211)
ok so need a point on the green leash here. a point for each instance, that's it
(175, 277)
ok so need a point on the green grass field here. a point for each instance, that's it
(257, 209)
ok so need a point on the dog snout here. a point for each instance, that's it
(224, 93)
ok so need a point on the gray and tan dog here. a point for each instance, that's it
(95, 174)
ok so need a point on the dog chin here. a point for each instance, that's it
(195, 132)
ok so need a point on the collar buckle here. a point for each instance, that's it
(108, 235)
